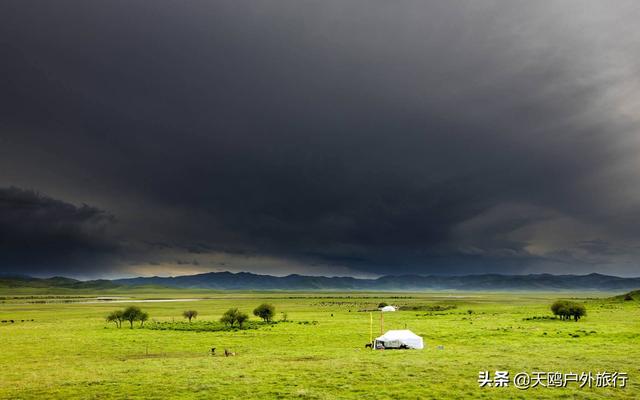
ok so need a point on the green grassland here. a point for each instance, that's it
(69, 351)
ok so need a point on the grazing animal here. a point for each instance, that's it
(12, 321)
(368, 346)
(213, 351)
(4, 321)
(228, 353)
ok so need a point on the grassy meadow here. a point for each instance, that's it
(69, 351)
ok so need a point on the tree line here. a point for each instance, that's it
(234, 316)
(231, 317)
(568, 309)
(130, 314)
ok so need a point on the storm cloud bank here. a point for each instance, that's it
(38, 233)
(331, 137)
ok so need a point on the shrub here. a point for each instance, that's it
(204, 326)
(539, 317)
(436, 307)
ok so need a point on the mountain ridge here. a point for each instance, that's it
(249, 281)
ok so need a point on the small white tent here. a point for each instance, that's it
(387, 308)
(400, 339)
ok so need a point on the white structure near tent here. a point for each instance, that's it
(388, 308)
(400, 339)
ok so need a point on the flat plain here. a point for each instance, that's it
(60, 346)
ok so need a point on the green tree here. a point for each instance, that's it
(131, 314)
(190, 314)
(233, 316)
(383, 304)
(577, 311)
(568, 309)
(560, 308)
(115, 317)
(142, 317)
(265, 311)
(241, 318)
(229, 317)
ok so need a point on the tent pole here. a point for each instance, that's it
(381, 323)
(370, 327)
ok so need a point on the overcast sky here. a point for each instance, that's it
(324, 137)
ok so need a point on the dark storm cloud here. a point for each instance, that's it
(428, 137)
(39, 234)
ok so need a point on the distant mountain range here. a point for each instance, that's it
(250, 281)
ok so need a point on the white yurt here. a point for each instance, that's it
(400, 339)
(388, 308)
